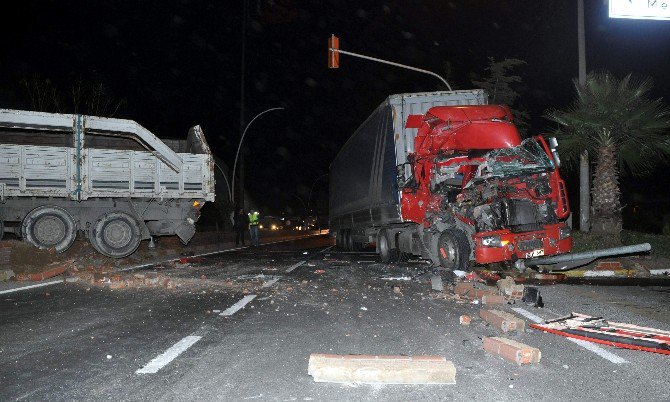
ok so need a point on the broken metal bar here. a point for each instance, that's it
(587, 256)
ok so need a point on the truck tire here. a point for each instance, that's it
(115, 234)
(339, 243)
(348, 240)
(453, 250)
(49, 227)
(386, 253)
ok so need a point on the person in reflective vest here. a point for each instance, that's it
(253, 228)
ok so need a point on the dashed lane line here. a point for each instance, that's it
(166, 357)
(294, 266)
(270, 282)
(237, 306)
(607, 355)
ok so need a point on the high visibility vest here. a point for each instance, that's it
(253, 218)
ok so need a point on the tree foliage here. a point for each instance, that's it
(504, 87)
(618, 113)
(84, 97)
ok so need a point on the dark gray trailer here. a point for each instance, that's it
(364, 191)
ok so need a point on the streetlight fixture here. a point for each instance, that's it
(239, 146)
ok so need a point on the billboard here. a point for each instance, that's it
(640, 9)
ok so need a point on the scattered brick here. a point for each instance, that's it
(464, 288)
(50, 273)
(493, 299)
(503, 321)
(608, 266)
(381, 369)
(512, 351)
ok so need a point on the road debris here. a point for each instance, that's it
(465, 319)
(512, 351)
(436, 283)
(368, 369)
(503, 321)
(6, 274)
(599, 330)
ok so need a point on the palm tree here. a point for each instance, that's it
(627, 131)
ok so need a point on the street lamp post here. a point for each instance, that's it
(239, 146)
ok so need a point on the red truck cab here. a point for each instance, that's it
(473, 173)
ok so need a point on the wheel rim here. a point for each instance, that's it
(49, 230)
(448, 252)
(117, 234)
(383, 245)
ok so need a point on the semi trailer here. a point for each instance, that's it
(447, 177)
(109, 179)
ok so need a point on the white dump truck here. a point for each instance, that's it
(110, 179)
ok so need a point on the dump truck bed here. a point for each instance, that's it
(88, 168)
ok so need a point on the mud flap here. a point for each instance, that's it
(185, 231)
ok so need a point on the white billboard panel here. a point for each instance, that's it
(640, 9)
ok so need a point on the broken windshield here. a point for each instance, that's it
(529, 157)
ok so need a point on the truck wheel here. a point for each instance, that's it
(48, 227)
(348, 240)
(386, 253)
(453, 250)
(115, 234)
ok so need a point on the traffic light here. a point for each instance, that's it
(333, 54)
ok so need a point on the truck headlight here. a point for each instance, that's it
(564, 232)
(491, 241)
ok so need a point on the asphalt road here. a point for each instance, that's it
(73, 342)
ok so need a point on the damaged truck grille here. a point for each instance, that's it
(530, 244)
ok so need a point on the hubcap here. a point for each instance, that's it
(49, 230)
(117, 234)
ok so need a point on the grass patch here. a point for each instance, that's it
(660, 244)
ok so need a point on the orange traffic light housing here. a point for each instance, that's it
(333, 54)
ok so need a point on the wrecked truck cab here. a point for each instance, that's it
(452, 184)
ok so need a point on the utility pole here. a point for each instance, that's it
(584, 173)
(242, 125)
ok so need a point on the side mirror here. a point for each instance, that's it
(553, 144)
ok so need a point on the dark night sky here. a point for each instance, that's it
(177, 64)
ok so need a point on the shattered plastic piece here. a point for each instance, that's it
(320, 271)
(465, 319)
(459, 273)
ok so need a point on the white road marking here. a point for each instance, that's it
(38, 285)
(166, 357)
(585, 344)
(228, 250)
(270, 282)
(599, 351)
(528, 314)
(294, 266)
(237, 306)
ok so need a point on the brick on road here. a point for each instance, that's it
(513, 351)
(381, 369)
(503, 321)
